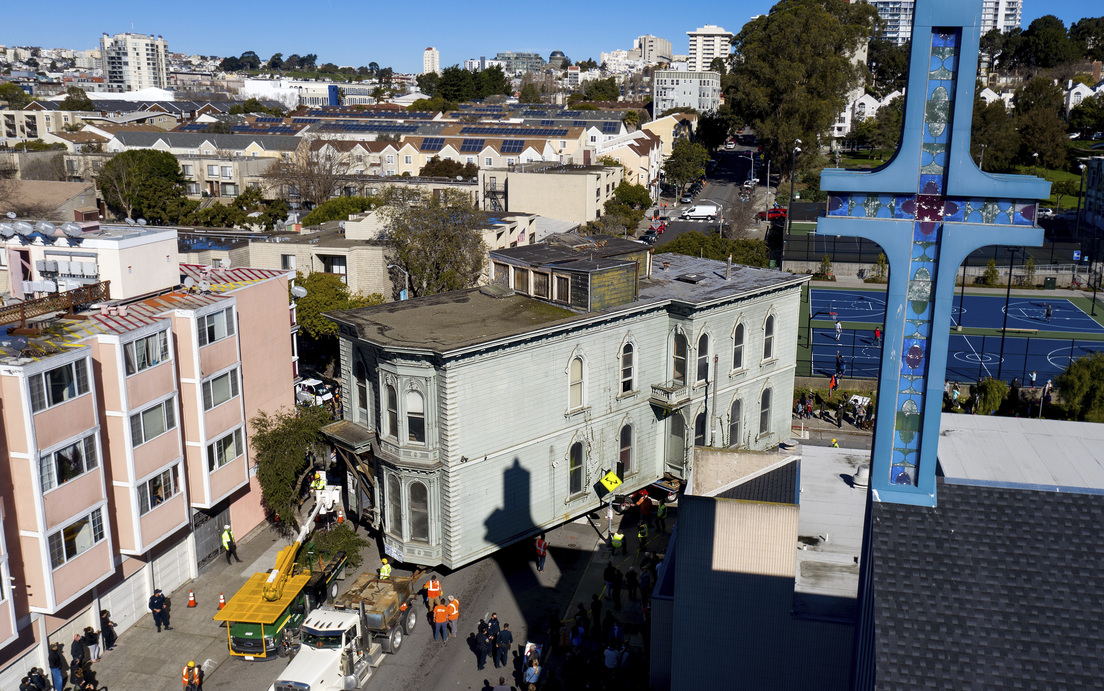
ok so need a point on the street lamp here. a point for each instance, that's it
(793, 174)
(1035, 157)
(1007, 296)
(406, 292)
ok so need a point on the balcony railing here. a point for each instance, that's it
(58, 302)
(671, 395)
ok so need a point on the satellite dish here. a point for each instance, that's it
(189, 282)
(45, 228)
(204, 285)
(71, 229)
(141, 221)
(16, 343)
(11, 215)
(226, 263)
(23, 228)
(130, 221)
(299, 291)
(7, 230)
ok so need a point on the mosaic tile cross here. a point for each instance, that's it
(928, 208)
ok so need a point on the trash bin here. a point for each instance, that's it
(1050, 282)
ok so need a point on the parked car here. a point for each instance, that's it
(312, 392)
(730, 144)
(650, 237)
(774, 214)
(686, 198)
(1044, 212)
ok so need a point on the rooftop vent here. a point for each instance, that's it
(691, 278)
(497, 291)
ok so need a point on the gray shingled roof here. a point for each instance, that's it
(192, 140)
(996, 588)
(778, 486)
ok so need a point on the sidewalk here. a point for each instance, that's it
(144, 660)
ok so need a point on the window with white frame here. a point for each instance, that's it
(287, 262)
(576, 395)
(224, 449)
(408, 159)
(76, 538)
(158, 489)
(487, 160)
(220, 389)
(734, 415)
(67, 463)
(627, 368)
(699, 429)
(768, 338)
(738, 347)
(143, 353)
(152, 422)
(415, 417)
(212, 171)
(58, 385)
(625, 452)
(227, 172)
(392, 429)
(765, 412)
(187, 169)
(390, 158)
(216, 326)
(703, 359)
(575, 468)
(678, 369)
(419, 512)
(361, 378)
(394, 506)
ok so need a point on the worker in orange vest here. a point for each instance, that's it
(542, 552)
(433, 591)
(191, 677)
(453, 614)
(440, 619)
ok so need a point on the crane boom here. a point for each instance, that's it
(285, 560)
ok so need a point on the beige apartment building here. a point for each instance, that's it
(125, 425)
(573, 193)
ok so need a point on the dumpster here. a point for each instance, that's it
(1050, 282)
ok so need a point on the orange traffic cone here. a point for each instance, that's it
(340, 516)
(222, 601)
(191, 598)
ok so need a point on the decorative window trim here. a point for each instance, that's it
(743, 348)
(706, 334)
(633, 379)
(585, 448)
(57, 544)
(764, 359)
(584, 382)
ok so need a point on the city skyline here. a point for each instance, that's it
(457, 36)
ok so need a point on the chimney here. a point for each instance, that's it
(728, 269)
(666, 265)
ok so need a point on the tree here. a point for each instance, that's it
(792, 71)
(994, 129)
(1088, 33)
(340, 209)
(632, 120)
(437, 239)
(687, 162)
(276, 62)
(431, 105)
(428, 83)
(1042, 132)
(230, 64)
(219, 127)
(1082, 387)
(1004, 49)
(250, 61)
(1029, 271)
(447, 168)
(325, 544)
(1047, 44)
(881, 268)
(888, 64)
(602, 90)
(491, 82)
(456, 84)
(373, 67)
(284, 444)
(1038, 94)
(718, 65)
(1088, 115)
(634, 195)
(326, 293)
(825, 266)
(746, 251)
(314, 174)
(255, 106)
(588, 64)
(991, 393)
(714, 128)
(991, 275)
(77, 99)
(142, 183)
(16, 98)
(1064, 188)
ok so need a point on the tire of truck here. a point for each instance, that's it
(411, 620)
(394, 640)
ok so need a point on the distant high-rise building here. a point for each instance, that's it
(707, 43)
(132, 62)
(897, 15)
(520, 63)
(431, 61)
(653, 49)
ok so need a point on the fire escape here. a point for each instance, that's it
(495, 196)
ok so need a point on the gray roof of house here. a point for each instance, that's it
(778, 485)
(187, 140)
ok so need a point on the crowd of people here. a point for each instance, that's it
(74, 672)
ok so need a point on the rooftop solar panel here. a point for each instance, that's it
(432, 144)
(472, 145)
(513, 146)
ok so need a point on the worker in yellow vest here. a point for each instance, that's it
(385, 569)
(618, 541)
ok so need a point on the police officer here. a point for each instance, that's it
(160, 614)
(385, 570)
(191, 676)
(229, 544)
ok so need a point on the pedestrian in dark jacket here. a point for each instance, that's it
(617, 580)
(57, 666)
(596, 612)
(160, 611)
(631, 583)
(38, 679)
(107, 630)
(77, 652)
(92, 642)
(505, 642)
(483, 642)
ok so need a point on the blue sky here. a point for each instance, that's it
(395, 33)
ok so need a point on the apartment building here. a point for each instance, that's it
(706, 44)
(674, 89)
(132, 62)
(653, 49)
(1004, 15)
(573, 193)
(126, 425)
(431, 61)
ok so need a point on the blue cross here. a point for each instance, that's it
(928, 208)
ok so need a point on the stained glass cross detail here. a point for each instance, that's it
(928, 208)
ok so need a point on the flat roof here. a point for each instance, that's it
(1054, 455)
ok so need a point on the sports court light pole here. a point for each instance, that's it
(1007, 295)
(793, 173)
(1077, 227)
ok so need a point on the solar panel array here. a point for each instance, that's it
(472, 145)
(507, 131)
(369, 127)
(268, 119)
(306, 121)
(611, 127)
(372, 114)
(579, 123)
(548, 122)
(513, 146)
(432, 144)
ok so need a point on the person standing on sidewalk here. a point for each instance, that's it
(661, 516)
(483, 643)
(56, 661)
(631, 584)
(92, 641)
(504, 643)
(160, 614)
(542, 552)
(229, 544)
(616, 588)
(107, 630)
(607, 576)
(440, 622)
(191, 676)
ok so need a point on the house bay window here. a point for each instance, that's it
(69, 462)
(220, 389)
(224, 450)
(147, 352)
(76, 538)
(158, 489)
(152, 422)
(216, 326)
(58, 385)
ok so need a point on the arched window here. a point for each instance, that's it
(575, 468)
(361, 390)
(679, 373)
(734, 415)
(419, 512)
(624, 458)
(765, 412)
(738, 347)
(627, 368)
(699, 430)
(394, 506)
(575, 394)
(703, 359)
(415, 417)
(768, 338)
(676, 443)
(392, 412)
